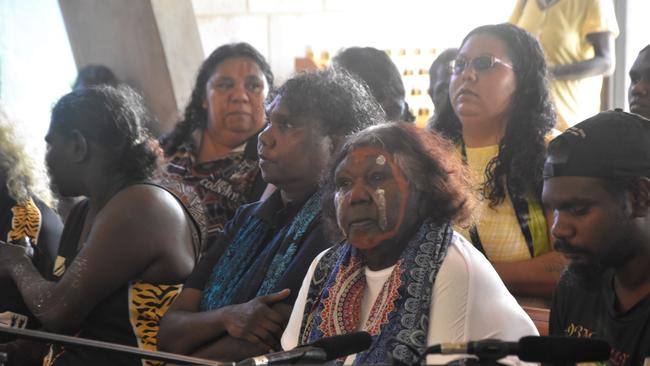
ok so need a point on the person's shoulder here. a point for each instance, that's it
(146, 204)
(44, 207)
(467, 282)
(465, 259)
(468, 268)
(135, 195)
(248, 209)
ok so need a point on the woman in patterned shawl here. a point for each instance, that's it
(240, 295)
(402, 274)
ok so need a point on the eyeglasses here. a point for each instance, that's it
(479, 64)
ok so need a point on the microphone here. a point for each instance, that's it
(344, 344)
(322, 350)
(531, 349)
(298, 355)
(493, 349)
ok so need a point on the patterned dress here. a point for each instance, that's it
(223, 185)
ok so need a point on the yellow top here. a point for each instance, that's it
(562, 30)
(497, 227)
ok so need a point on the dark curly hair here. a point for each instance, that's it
(530, 117)
(374, 68)
(337, 101)
(429, 163)
(113, 118)
(195, 116)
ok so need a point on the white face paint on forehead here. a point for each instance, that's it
(381, 160)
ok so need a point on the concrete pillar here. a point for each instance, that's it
(152, 45)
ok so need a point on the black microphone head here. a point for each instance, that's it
(344, 344)
(562, 349)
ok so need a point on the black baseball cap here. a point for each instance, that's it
(611, 144)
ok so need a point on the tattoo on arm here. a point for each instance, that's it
(553, 267)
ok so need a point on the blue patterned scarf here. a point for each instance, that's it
(240, 260)
(401, 312)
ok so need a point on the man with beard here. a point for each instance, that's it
(597, 182)
(639, 92)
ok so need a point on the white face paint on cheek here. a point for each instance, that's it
(379, 196)
(338, 204)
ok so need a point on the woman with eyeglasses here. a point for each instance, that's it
(499, 114)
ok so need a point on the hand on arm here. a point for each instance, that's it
(258, 321)
(185, 328)
(254, 328)
(601, 64)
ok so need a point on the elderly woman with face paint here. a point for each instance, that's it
(238, 300)
(401, 273)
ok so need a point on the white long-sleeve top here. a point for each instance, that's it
(469, 302)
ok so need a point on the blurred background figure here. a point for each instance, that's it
(381, 76)
(213, 148)
(499, 115)
(639, 92)
(27, 217)
(578, 42)
(439, 75)
(91, 75)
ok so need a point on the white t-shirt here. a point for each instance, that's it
(469, 302)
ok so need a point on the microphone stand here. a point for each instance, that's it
(106, 346)
(485, 353)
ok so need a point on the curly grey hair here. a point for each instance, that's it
(18, 171)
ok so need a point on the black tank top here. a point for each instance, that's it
(130, 315)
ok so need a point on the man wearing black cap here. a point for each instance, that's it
(596, 181)
(639, 92)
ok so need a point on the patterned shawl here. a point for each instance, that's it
(401, 312)
(241, 268)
